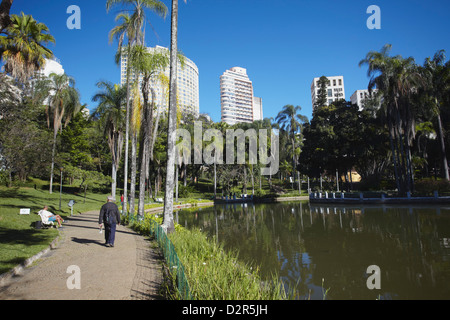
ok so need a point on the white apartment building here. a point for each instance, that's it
(257, 109)
(187, 85)
(52, 66)
(335, 89)
(359, 96)
(236, 97)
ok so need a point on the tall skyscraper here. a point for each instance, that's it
(335, 90)
(187, 84)
(236, 97)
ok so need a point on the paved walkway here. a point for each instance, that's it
(132, 270)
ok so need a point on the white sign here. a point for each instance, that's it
(25, 211)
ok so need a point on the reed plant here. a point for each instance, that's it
(216, 274)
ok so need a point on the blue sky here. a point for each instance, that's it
(283, 44)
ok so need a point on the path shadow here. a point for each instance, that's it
(87, 241)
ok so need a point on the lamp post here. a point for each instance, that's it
(60, 187)
(337, 180)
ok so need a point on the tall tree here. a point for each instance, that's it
(133, 27)
(63, 104)
(148, 64)
(437, 74)
(168, 224)
(322, 93)
(397, 79)
(23, 48)
(292, 122)
(125, 29)
(110, 112)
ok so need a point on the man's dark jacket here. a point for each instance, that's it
(109, 214)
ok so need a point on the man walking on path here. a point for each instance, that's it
(109, 217)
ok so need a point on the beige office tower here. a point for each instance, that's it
(236, 97)
(187, 84)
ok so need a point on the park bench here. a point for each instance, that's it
(44, 223)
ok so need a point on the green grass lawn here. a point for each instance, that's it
(19, 239)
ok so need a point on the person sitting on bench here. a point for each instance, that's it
(50, 217)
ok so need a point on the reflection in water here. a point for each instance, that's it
(306, 244)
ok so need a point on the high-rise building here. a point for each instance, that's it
(236, 97)
(187, 84)
(257, 109)
(335, 90)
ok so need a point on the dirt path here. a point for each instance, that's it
(129, 271)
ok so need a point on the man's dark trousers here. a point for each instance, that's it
(110, 233)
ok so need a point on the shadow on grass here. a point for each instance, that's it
(28, 237)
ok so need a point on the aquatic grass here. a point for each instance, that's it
(216, 274)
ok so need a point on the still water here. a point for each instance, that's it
(318, 248)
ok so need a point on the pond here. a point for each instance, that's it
(324, 252)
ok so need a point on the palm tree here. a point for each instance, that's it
(168, 224)
(133, 27)
(63, 104)
(23, 48)
(148, 64)
(437, 73)
(292, 122)
(119, 32)
(397, 79)
(110, 112)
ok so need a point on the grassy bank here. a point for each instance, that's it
(19, 240)
(212, 272)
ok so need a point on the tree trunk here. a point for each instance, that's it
(127, 137)
(133, 171)
(53, 160)
(147, 126)
(168, 224)
(5, 8)
(445, 173)
(215, 176)
(114, 177)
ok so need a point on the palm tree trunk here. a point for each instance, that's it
(114, 177)
(394, 158)
(127, 137)
(53, 160)
(168, 224)
(147, 125)
(133, 171)
(5, 8)
(443, 152)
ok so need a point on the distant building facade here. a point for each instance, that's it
(187, 84)
(359, 96)
(335, 90)
(236, 97)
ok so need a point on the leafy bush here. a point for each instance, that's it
(428, 186)
(185, 191)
